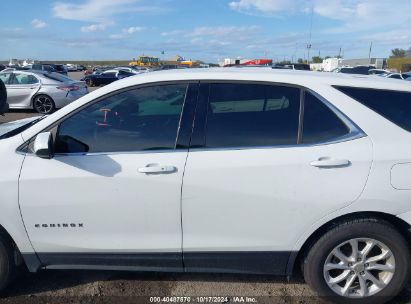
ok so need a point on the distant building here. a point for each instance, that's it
(408, 53)
(331, 64)
(236, 61)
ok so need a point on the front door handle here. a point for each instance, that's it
(328, 162)
(155, 168)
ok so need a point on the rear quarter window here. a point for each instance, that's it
(392, 105)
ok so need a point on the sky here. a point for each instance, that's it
(208, 30)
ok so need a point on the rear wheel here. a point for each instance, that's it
(358, 261)
(43, 104)
(90, 82)
(8, 268)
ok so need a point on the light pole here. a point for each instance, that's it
(309, 40)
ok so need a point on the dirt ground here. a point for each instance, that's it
(54, 286)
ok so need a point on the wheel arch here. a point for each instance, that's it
(31, 260)
(38, 94)
(296, 258)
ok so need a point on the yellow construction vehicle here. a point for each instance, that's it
(145, 61)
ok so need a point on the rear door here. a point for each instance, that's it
(266, 162)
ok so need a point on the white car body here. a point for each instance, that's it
(236, 203)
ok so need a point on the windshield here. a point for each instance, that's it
(12, 128)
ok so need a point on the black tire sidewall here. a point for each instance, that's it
(383, 232)
(52, 101)
(7, 265)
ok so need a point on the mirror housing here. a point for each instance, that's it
(43, 145)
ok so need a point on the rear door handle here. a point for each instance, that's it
(155, 168)
(327, 162)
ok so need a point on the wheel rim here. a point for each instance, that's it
(43, 104)
(359, 268)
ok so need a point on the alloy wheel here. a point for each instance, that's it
(359, 268)
(43, 104)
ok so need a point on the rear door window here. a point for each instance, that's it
(393, 105)
(252, 115)
(23, 79)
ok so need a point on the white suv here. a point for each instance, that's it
(221, 170)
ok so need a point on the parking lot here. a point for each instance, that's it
(19, 114)
(98, 286)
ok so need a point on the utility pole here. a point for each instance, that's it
(311, 29)
(369, 53)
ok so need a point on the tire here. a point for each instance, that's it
(8, 268)
(44, 104)
(90, 83)
(379, 238)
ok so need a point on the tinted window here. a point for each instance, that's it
(393, 105)
(244, 115)
(139, 119)
(320, 122)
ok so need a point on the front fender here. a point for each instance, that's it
(10, 215)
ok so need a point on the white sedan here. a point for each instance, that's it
(222, 170)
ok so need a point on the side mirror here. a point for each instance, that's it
(43, 145)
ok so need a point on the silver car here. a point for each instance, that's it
(41, 91)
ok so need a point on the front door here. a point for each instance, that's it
(260, 174)
(110, 197)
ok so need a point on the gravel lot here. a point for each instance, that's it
(128, 287)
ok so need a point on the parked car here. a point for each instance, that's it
(127, 69)
(406, 75)
(212, 171)
(60, 68)
(106, 77)
(16, 68)
(71, 67)
(378, 72)
(361, 70)
(292, 66)
(41, 91)
(81, 68)
(43, 67)
(394, 76)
